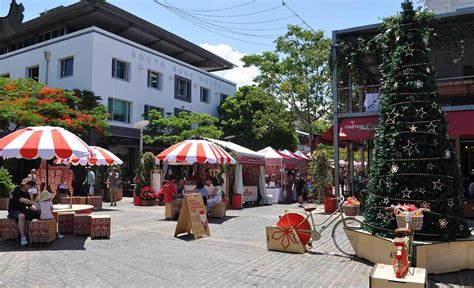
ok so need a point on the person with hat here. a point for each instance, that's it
(46, 204)
(21, 208)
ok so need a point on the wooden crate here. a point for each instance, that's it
(66, 222)
(82, 224)
(100, 226)
(95, 201)
(383, 276)
(42, 231)
(9, 229)
(217, 211)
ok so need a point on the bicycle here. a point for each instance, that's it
(403, 255)
(308, 231)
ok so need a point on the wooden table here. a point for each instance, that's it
(78, 208)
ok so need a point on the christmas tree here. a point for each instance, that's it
(414, 162)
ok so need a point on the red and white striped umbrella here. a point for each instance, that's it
(100, 156)
(200, 151)
(43, 142)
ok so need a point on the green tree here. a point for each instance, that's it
(414, 161)
(173, 129)
(257, 120)
(25, 102)
(297, 73)
(319, 169)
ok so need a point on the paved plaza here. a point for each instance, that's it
(142, 252)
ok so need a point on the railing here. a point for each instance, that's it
(456, 91)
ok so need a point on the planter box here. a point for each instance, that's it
(100, 226)
(382, 276)
(4, 203)
(148, 202)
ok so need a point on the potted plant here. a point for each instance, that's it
(6, 187)
(148, 196)
(320, 170)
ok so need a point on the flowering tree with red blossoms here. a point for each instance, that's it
(25, 102)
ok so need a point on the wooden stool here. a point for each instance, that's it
(65, 200)
(66, 222)
(100, 226)
(82, 224)
(42, 231)
(76, 200)
(217, 211)
(9, 229)
(95, 201)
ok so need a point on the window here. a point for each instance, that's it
(67, 67)
(182, 88)
(223, 97)
(205, 94)
(178, 110)
(148, 108)
(154, 80)
(33, 73)
(5, 75)
(119, 110)
(120, 69)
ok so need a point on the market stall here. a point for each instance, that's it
(250, 171)
(277, 168)
(302, 161)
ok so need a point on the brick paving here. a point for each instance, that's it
(143, 252)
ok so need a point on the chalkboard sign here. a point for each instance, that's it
(193, 217)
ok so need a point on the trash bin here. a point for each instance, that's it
(237, 201)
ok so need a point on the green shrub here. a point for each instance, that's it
(6, 183)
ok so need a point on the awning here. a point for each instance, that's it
(460, 123)
(353, 129)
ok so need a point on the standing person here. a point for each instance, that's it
(112, 183)
(21, 208)
(169, 190)
(299, 187)
(33, 191)
(90, 180)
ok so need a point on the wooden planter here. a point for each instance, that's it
(146, 202)
(4, 203)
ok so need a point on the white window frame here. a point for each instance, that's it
(114, 69)
(62, 66)
(111, 109)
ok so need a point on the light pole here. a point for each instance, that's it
(47, 56)
(140, 125)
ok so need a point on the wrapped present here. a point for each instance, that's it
(42, 231)
(100, 226)
(95, 201)
(8, 229)
(66, 222)
(82, 224)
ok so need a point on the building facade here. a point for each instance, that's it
(133, 65)
(448, 6)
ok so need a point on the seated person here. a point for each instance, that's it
(45, 202)
(21, 208)
(180, 189)
(170, 192)
(215, 193)
(200, 189)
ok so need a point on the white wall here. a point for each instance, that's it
(93, 50)
(446, 6)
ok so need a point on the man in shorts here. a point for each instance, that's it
(21, 208)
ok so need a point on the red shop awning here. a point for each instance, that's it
(353, 129)
(460, 123)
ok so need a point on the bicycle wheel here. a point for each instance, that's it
(340, 238)
(299, 222)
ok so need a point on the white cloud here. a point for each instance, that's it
(240, 75)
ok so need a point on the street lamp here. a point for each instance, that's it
(140, 125)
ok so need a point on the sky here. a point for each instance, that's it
(327, 15)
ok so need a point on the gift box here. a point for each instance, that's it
(82, 224)
(95, 201)
(100, 226)
(8, 229)
(217, 211)
(66, 222)
(42, 231)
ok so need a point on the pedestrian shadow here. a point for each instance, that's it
(220, 221)
(69, 242)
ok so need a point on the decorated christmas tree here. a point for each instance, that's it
(414, 162)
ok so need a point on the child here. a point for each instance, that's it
(47, 208)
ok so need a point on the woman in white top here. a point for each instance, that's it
(46, 204)
(215, 194)
(33, 191)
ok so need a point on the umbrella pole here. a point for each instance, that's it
(47, 174)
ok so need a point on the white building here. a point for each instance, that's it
(132, 64)
(447, 6)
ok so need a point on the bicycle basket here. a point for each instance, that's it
(416, 221)
(350, 210)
